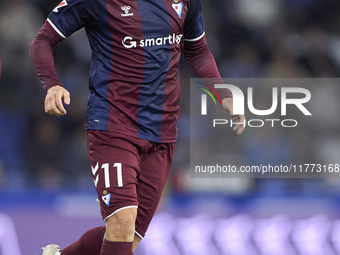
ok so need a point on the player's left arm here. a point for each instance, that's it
(201, 60)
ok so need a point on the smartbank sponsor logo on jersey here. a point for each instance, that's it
(129, 42)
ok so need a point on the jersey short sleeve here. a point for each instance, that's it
(194, 23)
(71, 15)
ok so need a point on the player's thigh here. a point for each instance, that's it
(115, 167)
(154, 171)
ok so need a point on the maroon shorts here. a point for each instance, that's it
(128, 172)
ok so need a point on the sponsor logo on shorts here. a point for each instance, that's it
(106, 199)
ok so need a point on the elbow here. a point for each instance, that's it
(32, 48)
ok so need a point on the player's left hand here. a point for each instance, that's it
(227, 104)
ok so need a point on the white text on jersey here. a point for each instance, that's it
(129, 42)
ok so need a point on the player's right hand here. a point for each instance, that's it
(53, 100)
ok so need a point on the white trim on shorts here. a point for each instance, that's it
(139, 235)
(125, 207)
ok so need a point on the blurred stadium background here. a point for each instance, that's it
(46, 191)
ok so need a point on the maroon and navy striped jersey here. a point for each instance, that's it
(136, 47)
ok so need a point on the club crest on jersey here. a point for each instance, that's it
(106, 199)
(178, 8)
(63, 3)
(126, 10)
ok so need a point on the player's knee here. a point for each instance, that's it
(121, 226)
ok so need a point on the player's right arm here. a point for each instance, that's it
(68, 17)
(41, 53)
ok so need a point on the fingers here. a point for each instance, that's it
(53, 101)
(51, 107)
(241, 120)
(67, 98)
(60, 106)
